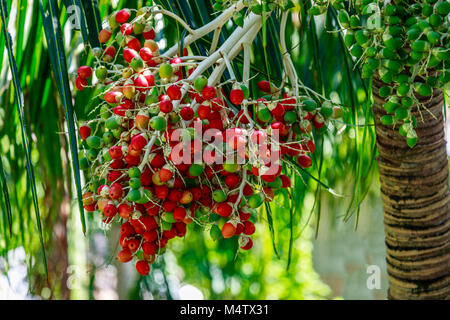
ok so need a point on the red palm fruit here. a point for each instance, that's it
(157, 161)
(196, 193)
(123, 241)
(248, 245)
(150, 81)
(141, 120)
(179, 214)
(318, 121)
(311, 146)
(134, 244)
(208, 170)
(127, 29)
(187, 113)
(142, 267)
(149, 33)
(236, 96)
(90, 207)
(309, 116)
(148, 222)
(204, 111)
(241, 117)
(286, 181)
(174, 195)
(233, 197)
(174, 92)
(145, 54)
(288, 102)
(115, 152)
(125, 255)
(81, 83)
(134, 44)
(178, 183)
(149, 248)
(146, 177)
(117, 164)
(248, 191)
(224, 209)
(265, 86)
(228, 230)
(249, 228)
(217, 104)
(125, 211)
(119, 110)
(127, 104)
(126, 229)
(304, 161)
(116, 191)
(206, 191)
(149, 236)
(104, 35)
(113, 97)
(129, 54)
(165, 174)
(153, 211)
(134, 152)
(258, 136)
(88, 198)
(244, 215)
(161, 192)
(232, 180)
(169, 206)
(137, 225)
(103, 190)
(122, 16)
(278, 110)
(294, 149)
(141, 83)
(216, 124)
(166, 106)
(170, 234)
(208, 93)
(186, 197)
(180, 228)
(239, 228)
(84, 72)
(162, 242)
(101, 203)
(110, 51)
(269, 193)
(110, 210)
(85, 132)
(278, 126)
(139, 141)
(132, 160)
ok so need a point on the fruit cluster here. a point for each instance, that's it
(406, 43)
(153, 153)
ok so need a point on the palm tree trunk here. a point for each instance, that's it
(415, 195)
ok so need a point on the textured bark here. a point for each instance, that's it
(415, 195)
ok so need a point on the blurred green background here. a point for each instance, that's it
(307, 245)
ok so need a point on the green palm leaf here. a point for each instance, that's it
(26, 144)
(58, 59)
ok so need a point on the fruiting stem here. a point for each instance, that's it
(287, 61)
(225, 48)
(177, 18)
(215, 40)
(203, 31)
(229, 67)
(147, 152)
(241, 187)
